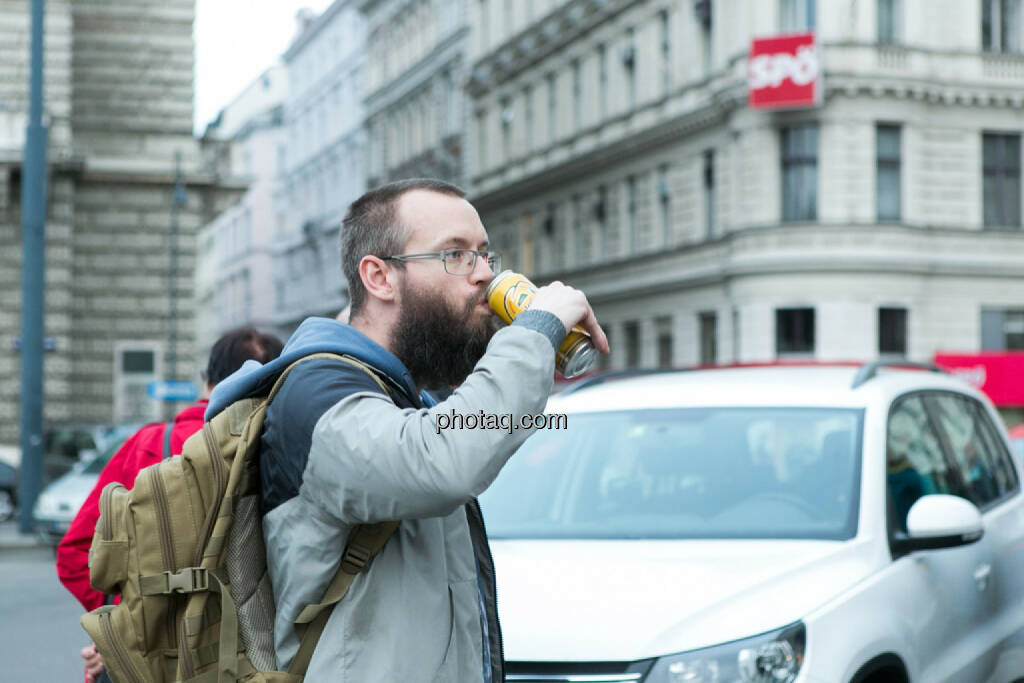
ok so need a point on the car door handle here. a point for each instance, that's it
(982, 574)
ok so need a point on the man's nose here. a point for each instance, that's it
(481, 271)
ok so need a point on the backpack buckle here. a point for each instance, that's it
(188, 580)
(355, 558)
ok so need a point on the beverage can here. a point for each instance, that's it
(510, 293)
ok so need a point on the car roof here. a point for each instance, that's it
(776, 385)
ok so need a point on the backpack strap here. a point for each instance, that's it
(364, 542)
(168, 428)
(333, 356)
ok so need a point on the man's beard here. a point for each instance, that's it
(438, 344)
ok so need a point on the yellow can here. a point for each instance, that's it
(509, 294)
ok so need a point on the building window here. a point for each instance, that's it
(577, 97)
(481, 142)
(800, 173)
(484, 27)
(702, 8)
(602, 79)
(576, 242)
(1002, 329)
(707, 323)
(1001, 186)
(794, 330)
(601, 216)
(888, 22)
(1000, 25)
(892, 331)
(664, 205)
(552, 109)
(663, 337)
(507, 116)
(666, 52)
(709, 193)
(628, 57)
(887, 172)
(631, 213)
(631, 334)
(528, 123)
(796, 16)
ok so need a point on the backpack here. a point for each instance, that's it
(184, 548)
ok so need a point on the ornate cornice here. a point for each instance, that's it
(559, 28)
(713, 110)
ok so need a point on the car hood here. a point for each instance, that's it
(627, 600)
(64, 496)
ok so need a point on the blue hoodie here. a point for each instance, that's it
(314, 335)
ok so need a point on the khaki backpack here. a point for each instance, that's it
(184, 548)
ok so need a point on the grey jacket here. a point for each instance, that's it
(337, 452)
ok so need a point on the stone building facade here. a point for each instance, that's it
(119, 105)
(234, 256)
(612, 147)
(322, 162)
(415, 101)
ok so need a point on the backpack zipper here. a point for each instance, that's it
(119, 654)
(187, 665)
(166, 552)
(218, 477)
(107, 532)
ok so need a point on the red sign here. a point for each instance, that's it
(782, 72)
(999, 374)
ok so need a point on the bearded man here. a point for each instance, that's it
(338, 451)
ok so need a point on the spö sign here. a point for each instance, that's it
(783, 72)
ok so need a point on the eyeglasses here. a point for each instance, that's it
(456, 261)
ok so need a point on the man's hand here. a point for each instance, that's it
(572, 308)
(93, 662)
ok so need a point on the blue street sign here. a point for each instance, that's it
(49, 344)
(172, 390)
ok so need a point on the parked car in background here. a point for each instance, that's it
(8, 491)
(58, 503)
(1017, 438)
(819, 524)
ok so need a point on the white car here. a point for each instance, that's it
(822, 524)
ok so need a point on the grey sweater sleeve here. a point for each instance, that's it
(546, 323)
(371, 461)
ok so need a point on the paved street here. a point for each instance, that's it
(39, 625)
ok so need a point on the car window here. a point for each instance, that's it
(915, 464)
(977, 454)
(684, 473)
(96, 465)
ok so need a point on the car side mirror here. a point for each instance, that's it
(939, 521)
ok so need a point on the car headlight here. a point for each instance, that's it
(773, 657)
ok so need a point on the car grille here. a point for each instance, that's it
(577, 672)
(575, 678)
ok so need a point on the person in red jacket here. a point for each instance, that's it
(146, 447)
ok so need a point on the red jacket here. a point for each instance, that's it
(141, 450)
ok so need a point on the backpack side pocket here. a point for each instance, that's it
(108, 555)
(110, 627)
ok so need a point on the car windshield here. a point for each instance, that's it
(96, 465)
(690, 473)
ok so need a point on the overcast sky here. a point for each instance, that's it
(235, 41)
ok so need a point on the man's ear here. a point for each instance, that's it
(378, 278)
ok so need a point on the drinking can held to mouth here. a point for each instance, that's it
(509, 294)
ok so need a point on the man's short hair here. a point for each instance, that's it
(237, 346)
(371, 228)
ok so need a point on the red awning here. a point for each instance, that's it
(1000, 374)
